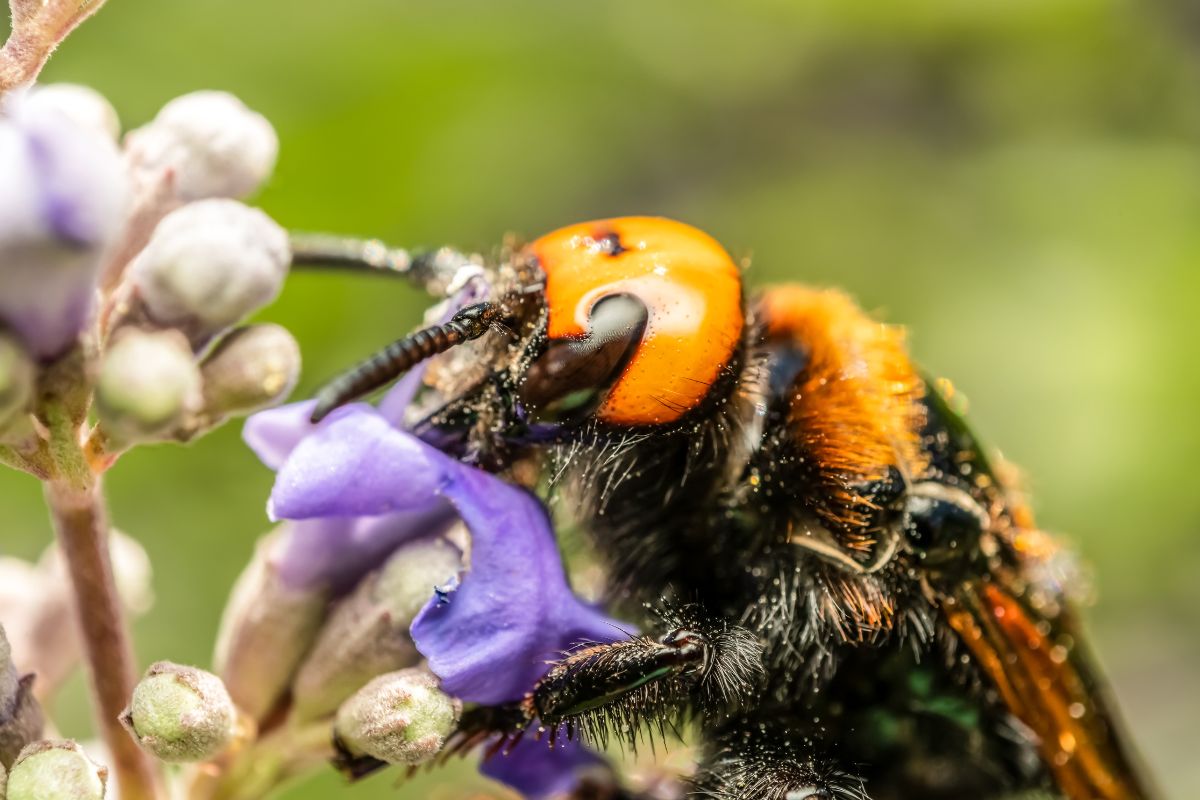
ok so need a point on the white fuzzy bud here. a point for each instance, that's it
(148, 381)
(212, 144)
(251, 368)
(84, 106)
(16, 380)
(180, 714)
(367, 633)
(400, 718)
(56, 770)
(210, 264)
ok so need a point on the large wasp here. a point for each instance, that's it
(847, 589)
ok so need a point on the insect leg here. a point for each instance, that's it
(644, 679)
(595, 689)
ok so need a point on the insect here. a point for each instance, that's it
(849, 592)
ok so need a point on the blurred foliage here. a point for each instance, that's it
(1018, 181)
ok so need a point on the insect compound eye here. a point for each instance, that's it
(569, 380)
(942, 517)
(689, 289)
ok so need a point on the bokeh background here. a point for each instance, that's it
(1018, 181)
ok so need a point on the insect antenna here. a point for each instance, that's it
(431, 270)
(403, 354)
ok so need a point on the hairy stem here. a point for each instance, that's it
(37, 28)
(82, 527)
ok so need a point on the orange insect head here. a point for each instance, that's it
(692, 292)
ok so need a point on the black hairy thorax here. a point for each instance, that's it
(857, 665)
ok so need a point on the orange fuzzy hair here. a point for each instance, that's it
(856, 409)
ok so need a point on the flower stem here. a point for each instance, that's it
(82, 527)
(266, 764)
(37, 28)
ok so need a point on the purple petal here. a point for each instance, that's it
(513, 608)
(356, 464)
(62, 201)
(273, 434)
(336, 552)
(539, 771)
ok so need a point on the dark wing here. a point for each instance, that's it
(1044, 675)
(1024, 637)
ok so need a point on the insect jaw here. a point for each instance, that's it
(809, 534)
(928, 492)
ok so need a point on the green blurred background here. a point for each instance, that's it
(1016, 180)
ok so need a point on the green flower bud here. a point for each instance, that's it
(148, 381)
(181, 714)
(367, 633)
(251, 368)
(401, 718)
(56, 770)
(266, 628)
(16, 380)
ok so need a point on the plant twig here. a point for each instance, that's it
(37, 28)
(82, 527)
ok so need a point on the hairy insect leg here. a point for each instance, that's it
(604, 674)
(594, 690)
(646, 681)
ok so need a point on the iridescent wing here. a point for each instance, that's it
(1019, 627)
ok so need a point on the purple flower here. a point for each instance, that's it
(336, 551)
(489, 636)
(62, 201)
(358, 485)
(540, 771)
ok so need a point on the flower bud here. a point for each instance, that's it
(213, 144)
(148, 381)
(367, 633)
(63, 204)
(84, 106)
(401, 718)
(180, 714)
(265, 630)
(20, 714)
(210, 264)
(251, 368)
(56, 770)
(16, 380)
